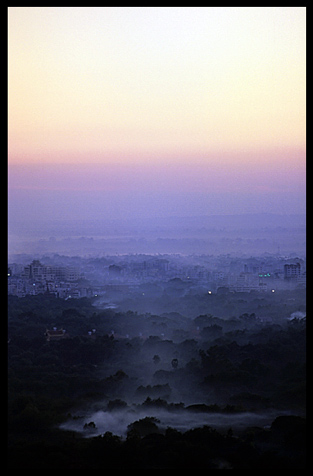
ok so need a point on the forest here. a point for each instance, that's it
(124, 389)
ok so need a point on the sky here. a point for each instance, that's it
(155, 111)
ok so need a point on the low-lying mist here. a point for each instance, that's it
(119, 422)
(224, 364)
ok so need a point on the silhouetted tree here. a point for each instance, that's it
(174, 363)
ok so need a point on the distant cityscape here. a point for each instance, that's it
(93, 277)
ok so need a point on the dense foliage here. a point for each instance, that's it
(212, 364)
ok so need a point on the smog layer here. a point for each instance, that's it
(165, 350)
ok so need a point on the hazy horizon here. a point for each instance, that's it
(252, 234)
(120, 113)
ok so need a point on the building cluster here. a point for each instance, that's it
(232, 274)
(217, 274)
(264, 277)
(37, 278)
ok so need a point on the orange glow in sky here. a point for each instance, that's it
(209, 93)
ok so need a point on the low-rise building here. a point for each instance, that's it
(54, 334)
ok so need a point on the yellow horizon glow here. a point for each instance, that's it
(130, 85)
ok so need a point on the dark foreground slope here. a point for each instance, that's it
(280, 447)
(209, 365)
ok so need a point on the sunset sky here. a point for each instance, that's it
(156, 111)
